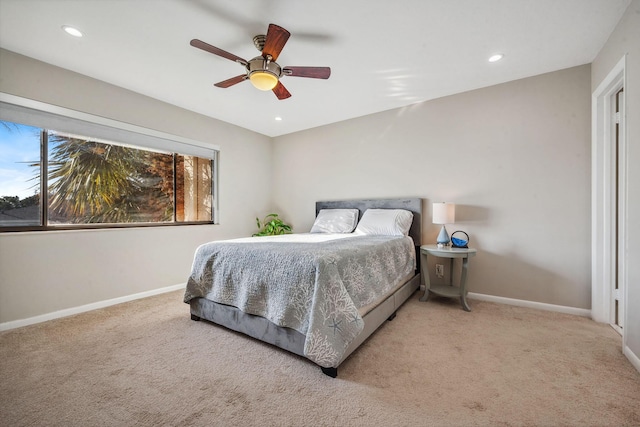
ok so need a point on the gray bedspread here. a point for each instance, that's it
(314, 288)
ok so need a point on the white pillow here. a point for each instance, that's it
(387, 222)
(335, 221)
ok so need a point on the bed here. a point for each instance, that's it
(317, 295)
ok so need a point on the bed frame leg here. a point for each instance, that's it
(393, 316)
(194, 317)
(332, 372)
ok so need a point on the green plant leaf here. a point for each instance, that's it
(272, 225)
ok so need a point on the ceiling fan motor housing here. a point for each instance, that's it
(260, 64)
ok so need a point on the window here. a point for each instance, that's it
(94, 182)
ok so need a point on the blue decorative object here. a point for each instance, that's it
(459, 243)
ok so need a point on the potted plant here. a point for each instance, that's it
(271, 225)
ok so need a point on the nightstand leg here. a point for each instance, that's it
(463, 285)
(424, 272)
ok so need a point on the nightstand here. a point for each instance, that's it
(446, 290)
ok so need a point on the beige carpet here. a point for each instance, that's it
(145, 363)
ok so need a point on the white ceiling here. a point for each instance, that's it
(383, 54)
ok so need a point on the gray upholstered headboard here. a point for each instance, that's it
(411, 204)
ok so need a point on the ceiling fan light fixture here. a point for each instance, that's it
(263, 80)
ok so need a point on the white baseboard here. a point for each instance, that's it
(88, 307)
(531, 304)
(102, 304)
(635, 361)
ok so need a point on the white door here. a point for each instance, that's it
(608, 199)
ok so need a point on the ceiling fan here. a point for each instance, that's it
(263, 71)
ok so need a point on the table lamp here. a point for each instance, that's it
(443, 213)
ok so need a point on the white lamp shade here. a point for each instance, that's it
(444, 213)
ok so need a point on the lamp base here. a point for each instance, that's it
(443, 238)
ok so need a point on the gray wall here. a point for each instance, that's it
(515, 158)
(43, 272)
(625, 39)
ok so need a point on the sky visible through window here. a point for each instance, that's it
(19, 148)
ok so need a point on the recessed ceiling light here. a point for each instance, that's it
(278, 119)
(496, 57)
(72, 31)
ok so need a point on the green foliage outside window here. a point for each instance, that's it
(92, 182)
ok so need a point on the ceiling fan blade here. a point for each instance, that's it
(313, 72)
(281, 91)
(216, 51)
(232, 81)
(276, 39)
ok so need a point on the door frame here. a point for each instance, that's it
(603, 203)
